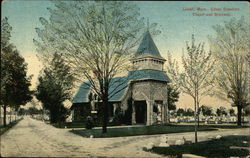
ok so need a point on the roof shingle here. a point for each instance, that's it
(147, 45)
(119, 85)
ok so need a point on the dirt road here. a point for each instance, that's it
(35, 138)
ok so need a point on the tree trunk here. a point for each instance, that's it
(198, 112)
(195, 120)
(239, 108)
(105, 114)
(10, 115)
(243, 114)
(15, 115)
(198, 119)
(196, 99)
(50, 117)
(59, 117)
(4, 115)
(1, 120)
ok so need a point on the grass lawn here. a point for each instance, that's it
(70, 125)
(82, 125)
(143, 130)
(211, 148)
(5, 129)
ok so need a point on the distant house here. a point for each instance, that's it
(141, 95)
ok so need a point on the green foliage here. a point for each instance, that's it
(231, 112)
(221, 111)
(189, 112)
(54, 87)
(5, 32)
(143, 130)
(206, 110)
(14, 80)
(180, 112)
(89, 123)
(127, 119)
(172, 70)
(185, 112)
(34, 110)
(118, 117)
(21, 111)
(173, 96)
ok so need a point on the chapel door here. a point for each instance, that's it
(140, 112)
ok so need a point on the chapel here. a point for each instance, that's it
(141, 96)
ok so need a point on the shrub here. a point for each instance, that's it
(89, 123)
(117, 120)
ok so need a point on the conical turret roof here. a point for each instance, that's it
(147, 46)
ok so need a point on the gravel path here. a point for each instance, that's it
(36, 139)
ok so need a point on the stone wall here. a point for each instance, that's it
(149, 90)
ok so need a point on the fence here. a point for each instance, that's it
(9, 119)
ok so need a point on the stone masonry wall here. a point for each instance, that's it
(149, 90)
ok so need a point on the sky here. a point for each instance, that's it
(175, 20)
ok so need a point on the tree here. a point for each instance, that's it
(173, 87)
(14, 80)
(218, 112)
(5, 33)
(22, 111)
(221, 111)
(180, 112)
(197, 77)
(34, 110)
(173, 96)
(206, 110)
(54, 87)
(95, 38)
(231, 112)
(189, 112)
(230, 47)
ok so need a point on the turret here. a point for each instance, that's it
(147, 55)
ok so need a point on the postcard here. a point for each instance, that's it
(125, 78)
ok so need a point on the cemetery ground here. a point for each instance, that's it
(148, 130)
(228, 146)
(35, 138)
(129, 130)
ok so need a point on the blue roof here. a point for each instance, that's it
(147, 46)
(148, 74)
(119, 85)
(82, 94)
